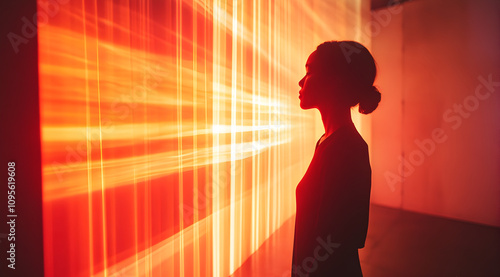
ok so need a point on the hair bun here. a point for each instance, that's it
(369, 100)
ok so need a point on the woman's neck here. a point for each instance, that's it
(334, 119)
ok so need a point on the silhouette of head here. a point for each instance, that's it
(339, 74)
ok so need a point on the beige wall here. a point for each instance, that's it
(436, 135)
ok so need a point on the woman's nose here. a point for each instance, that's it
(301, 82)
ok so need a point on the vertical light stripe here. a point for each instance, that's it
(101, 159)
(136, 228)
(215, 169)
(254, 96)
(240, 180)
(234, 62)
(195, 185)
(258, 165)
(179, 129)
(208, 181)
(88, 139)
(269, 113)
(148, 210)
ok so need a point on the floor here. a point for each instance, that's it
(399, 243)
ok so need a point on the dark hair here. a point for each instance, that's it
(353, 64)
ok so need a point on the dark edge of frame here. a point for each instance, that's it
(20, 139)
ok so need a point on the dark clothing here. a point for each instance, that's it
(333, 200)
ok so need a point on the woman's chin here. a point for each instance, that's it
(304, 105)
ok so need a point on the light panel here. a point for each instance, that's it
(172, 138)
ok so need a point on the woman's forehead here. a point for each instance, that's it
(312, 59)
(315, 62)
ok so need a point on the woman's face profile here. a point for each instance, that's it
(314, 85)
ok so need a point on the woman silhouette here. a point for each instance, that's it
(333, 197)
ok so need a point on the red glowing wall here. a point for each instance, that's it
(439, 70)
